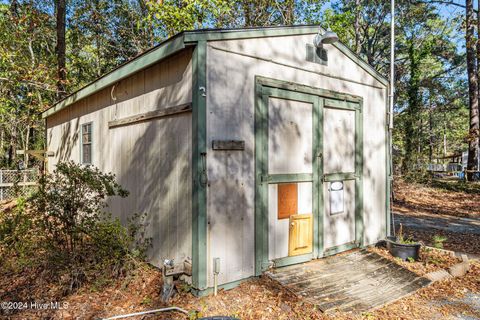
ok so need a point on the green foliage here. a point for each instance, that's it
(431, 113)
(27, 79)
(434, 261)
(18, 235)
(103, 34)
(67, 231)
(73, 198)
(368, 316)
(174, 16)
(438, 241)
(183, 287)
(147, 300)
(401, 237)
(407, 241)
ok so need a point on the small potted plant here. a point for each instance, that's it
(405, 249)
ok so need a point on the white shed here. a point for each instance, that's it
(250, 147)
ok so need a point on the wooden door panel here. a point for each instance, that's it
(300, 234)
(287, 200)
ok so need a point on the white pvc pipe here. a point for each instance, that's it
(147, 312)
(392, 62)
(392, 102)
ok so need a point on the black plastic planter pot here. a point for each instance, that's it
(403, 251)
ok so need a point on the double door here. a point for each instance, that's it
(308, 175)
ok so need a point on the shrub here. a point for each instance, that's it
(438, 241)
(18, 236)
(73, 199)
(76, 240)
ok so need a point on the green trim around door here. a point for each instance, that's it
(263, 179)
(357, 176)
(281, 178)
(264, 89)
(359, 223)
(199, 167)
(295, 87)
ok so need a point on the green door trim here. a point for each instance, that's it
(295, 87)
(265, 88)
(263, 179)
(359, 223)
(281, 178)
(340, 248)
(357, 176)
(287, 261)
(199, 165)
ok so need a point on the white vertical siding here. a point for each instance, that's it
(289, 136)
(151, 159)
(231, 69)
(338, 141)
(339, 228)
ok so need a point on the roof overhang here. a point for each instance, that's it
(189, 38)
(146, 59)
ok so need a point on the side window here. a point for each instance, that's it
(86, 147)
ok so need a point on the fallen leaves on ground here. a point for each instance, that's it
(438, 301)
(430, 260)
(419, 198)
(459, 242)
(259, 298)
(262, 298)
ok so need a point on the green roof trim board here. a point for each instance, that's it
(187, 38)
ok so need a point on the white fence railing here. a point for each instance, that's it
(15, 183)
(450, 167)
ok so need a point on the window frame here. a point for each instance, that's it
(82, 143)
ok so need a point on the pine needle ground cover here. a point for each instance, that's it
(254, 299)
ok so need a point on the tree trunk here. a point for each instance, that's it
(26, 146)
(289, 12)
(472, 89)
(247, 13)
(60, 7)
(2, 137)
(12, 146)
(411, 132)
(444, 135)
(430, 134)
(358, 49)
(478, 85)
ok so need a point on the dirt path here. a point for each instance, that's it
(462, 234)
(440, 222)
(440, 208)
(449, 198)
